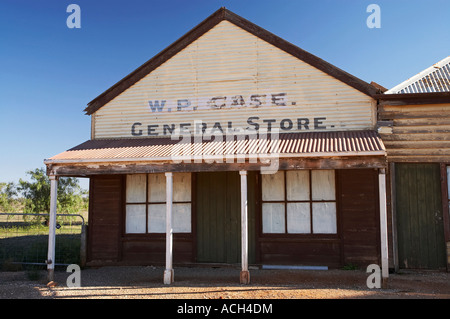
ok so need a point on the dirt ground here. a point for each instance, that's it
(223, 283)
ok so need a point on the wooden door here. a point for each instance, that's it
(218, 217)
(419, 216)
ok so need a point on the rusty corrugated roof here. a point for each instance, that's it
(348, 143)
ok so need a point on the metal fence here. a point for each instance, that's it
(24, 240)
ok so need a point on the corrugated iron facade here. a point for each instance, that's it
(228, 61)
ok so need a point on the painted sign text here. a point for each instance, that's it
(219, 102)
(255, 123)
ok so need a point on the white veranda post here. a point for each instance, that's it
(383, 227)
(52, 227)
(245, 274)
(168, 272)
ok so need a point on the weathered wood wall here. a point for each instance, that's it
(419, 133)
(360, 221)
(151, 249)
(105, 218)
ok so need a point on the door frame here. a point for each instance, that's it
(228, 217)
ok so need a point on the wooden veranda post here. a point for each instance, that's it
(168, 272)
(245, 274)
(383, 227)
(52, 227)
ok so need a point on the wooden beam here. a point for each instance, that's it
(413, 98)
(87, 169)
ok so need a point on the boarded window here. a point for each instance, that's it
(136, 188)
(135, 219)
(273, 218)
(448, 183)
(273, 186)
(297, 185)
(299, 202)
(448, 188)
(181, 218)
(299, 218)
(323, 185)
(324, 218)
(448, 195)
(146, 203)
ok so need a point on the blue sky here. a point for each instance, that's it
(48, 72)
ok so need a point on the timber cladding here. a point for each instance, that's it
(360, 230)
(418, 132)
(355, 242)
(105, 206)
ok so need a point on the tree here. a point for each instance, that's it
(37, 193)
(7, 193)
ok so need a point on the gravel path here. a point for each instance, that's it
(223, 283)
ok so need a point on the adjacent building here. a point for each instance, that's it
(414, 124)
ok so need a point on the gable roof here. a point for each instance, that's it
(207, 24)
(435, 78)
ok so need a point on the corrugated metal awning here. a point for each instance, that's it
(311, 144)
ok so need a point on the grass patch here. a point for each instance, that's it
(22, 244)
(350, 267)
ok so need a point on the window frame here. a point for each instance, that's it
(285, 202)
(147, 203)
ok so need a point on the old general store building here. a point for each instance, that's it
(233, 146)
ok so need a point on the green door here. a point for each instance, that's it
(420, 227)
(218, 215)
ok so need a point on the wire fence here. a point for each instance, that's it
(24, 240)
